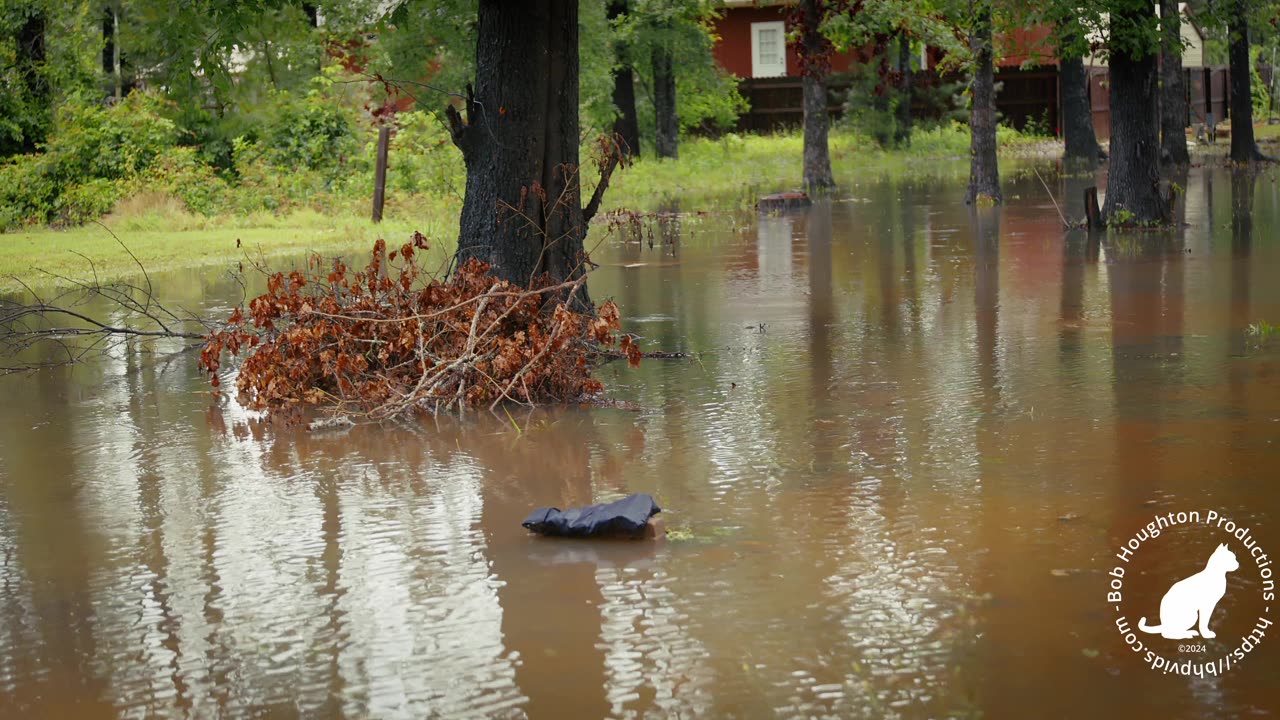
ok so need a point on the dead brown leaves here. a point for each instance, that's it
(388, 341)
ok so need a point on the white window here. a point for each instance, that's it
(768, 49)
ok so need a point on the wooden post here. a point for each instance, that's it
(380, 172)
(1092, 215)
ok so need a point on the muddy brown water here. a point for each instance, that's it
(900, 470)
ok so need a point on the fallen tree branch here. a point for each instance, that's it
(385, 342)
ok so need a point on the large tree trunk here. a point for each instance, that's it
(1080, 141)
(1134, 175)
(523, 212)
(1243, 146)
(902, 129)
(1173, 88)
(626, 127)
(814, 49)
(664, 102)
(984, 170)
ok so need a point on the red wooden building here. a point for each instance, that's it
(752, 45)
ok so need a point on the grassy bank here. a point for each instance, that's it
(711, 174)
(38, 257)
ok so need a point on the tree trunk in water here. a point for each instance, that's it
(1243, 147)
(817, 158)
(902, 130)
(984, 170)
(664, 102)
(1134, 174)
(522, 212)
(1173, 90)
(626, 127)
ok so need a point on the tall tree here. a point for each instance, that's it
(984, 170)
(523, 211)
(1080, 141)
(815, 63)
(26, 93)
(1173, 87)
(902, 130)
(1243, 146)
(892, 27)
(1133, 191)
(626, 126)
(667, 141)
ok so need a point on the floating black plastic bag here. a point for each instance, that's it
(626, 518)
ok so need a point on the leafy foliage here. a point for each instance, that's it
(388, 340)
(76, 177)
(707, 96)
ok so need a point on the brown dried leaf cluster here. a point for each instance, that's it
(387, 340)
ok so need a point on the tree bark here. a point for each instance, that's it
(1079, 140)
(1134, 174)
(522, 212)
(664, 102)
(902, 130)
(1173, 88)
(626, 127)
(36, 92)
(815, 49)
(1243, 146)
(984, 170)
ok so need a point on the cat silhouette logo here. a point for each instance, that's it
(1187, 607)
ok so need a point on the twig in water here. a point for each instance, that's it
(1061, 217)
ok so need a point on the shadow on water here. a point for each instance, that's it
(900, 465)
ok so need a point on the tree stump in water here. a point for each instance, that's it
(1092, 215)
(783, 201)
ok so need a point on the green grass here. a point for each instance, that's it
(732, 171)
(1266, 132)
(36, 257)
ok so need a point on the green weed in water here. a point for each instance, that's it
(1262, 332)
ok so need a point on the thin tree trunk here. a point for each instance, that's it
(1134, 175)
(1173, 88)
(522, 212)
(902, 131)
(116, 69)
(1243, 146)
(32, 51)
(626, 127)
(664, 102)
(815, 48)
(984, 170)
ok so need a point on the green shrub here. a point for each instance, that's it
(311, 131)
(86, 201)
(182, 172)
(422, 157)
(87, 164)
(116, 142)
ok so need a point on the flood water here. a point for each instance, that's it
(900, 468)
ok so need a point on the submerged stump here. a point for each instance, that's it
(783, 201)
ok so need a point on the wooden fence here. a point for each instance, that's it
(1024, 96)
